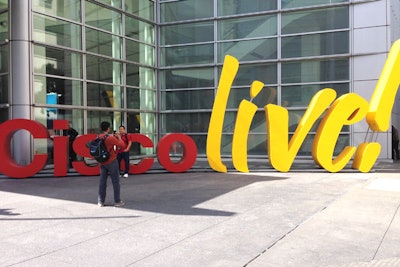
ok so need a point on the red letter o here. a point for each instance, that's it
(189, 152)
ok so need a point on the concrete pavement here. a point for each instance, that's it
(306, 217)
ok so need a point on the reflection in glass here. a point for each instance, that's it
(187, 55)
(56, 32)
(185, 122)
(140, 76)
(186, 10)
(268, 95)
(57, 62)
(234, 7)
(103, 95)
(303, 3)
(70, 9)
(141, 8)
(315, 20)
(139, 30)
(315, 44)
(248, 27)
(98, 69)
(266, 73)
(66, 92)
(4, 26)
(188, 78)
(187, 33)
(102, 18)
(315, 71)
(103, 43)
(184, 100)
(301, 95)
(251, 50)
(140, 53)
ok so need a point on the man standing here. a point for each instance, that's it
(123, 152)
(110, 166)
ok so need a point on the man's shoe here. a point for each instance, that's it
(119, 204)
(125, 175)
(100, 204)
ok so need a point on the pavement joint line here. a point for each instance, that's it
(384, 235)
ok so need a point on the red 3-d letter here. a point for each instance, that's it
(79, 146)
(146, 163)
(61, 152)
(8, 165)
(189, 152)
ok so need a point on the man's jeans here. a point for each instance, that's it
(123, 156)
(112, 169)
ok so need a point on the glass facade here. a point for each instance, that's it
(294, 47)
(95, 61)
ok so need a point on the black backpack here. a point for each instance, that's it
(98, 149)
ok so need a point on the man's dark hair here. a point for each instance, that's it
(122, 126)
(104, 126)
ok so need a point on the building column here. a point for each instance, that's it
(20, 76)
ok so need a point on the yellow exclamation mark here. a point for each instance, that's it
(380, 108)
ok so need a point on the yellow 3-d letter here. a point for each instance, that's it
(213, 146)
(280, 153)
(347, 109)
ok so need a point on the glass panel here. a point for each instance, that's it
(187, 78)
(103, 18)
(140, 76)
(315, 20)
(187, 33)
(70, 9)
(251, 50)
(302, 3)
(4, 116)
(4, 26)
(59, 91)
(266, 73)
(102, 69)
(141, 8)
(139, 30)
(187, 55)
(315, 71)
(140, 53)
(3, 4)
(3, 89)
(183, 100)
(56, 32)
(57, 62)
(113, 3)
(233, 7)
(185, 122)
(95, 117)
(257, 144)
(248, 27)
(300, 95)
(267, 96)
(186, 10)
(200, 141)
(141, 99)
(133, 98)
(102, 95)
(103, 43)
(3, 58)
(315, 44)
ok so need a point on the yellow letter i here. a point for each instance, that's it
(244, 117)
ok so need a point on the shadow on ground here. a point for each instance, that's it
(168, 193)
